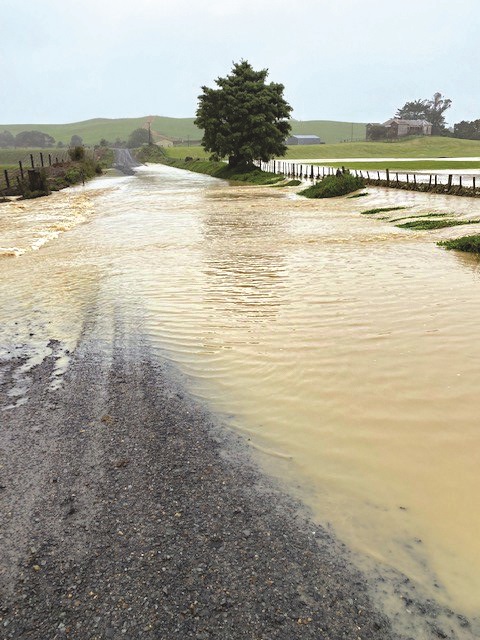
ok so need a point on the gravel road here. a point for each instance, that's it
(127, 512)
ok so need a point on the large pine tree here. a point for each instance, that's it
(245, 118)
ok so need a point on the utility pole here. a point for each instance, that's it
(149, 134)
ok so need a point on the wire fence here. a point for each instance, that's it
(11, 178)
(445, 182)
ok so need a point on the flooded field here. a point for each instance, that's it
(347, 350)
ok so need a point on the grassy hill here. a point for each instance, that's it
(92, 131)
(330, 131)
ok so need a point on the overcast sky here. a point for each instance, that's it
(353, 60)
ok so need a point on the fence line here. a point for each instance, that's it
(10, 179)
(456, 184)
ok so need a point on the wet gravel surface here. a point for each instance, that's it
(125, 512)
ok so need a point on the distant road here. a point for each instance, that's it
(124, 161)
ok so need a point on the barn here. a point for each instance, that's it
(303, 139)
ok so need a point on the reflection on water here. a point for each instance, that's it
(343, 345)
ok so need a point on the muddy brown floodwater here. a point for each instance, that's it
(345, 349)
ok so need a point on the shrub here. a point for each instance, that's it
(76, 153)
(333, 186)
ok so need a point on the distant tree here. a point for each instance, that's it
(137, 138)
(60, 144)
(376, 132)
(469, 130)
(7, 139)
(76, 141)
(104, 143)
(76, 153)
(34, 139)
(430, 110)
(413, 110)
(245, 118)
(119, 144)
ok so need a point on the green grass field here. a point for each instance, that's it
(408, 165)
(9, 157)
(182, 152)
(422, 147)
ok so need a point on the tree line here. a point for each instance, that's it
(39, 139)
(34, 138)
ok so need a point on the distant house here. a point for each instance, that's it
(304, 139)
(398, 128)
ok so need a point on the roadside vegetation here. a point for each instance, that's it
(150, 153)
(471, 244)
(246, 174)
(78, 167)
(333, 186)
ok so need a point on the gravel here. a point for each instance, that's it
(127, 512)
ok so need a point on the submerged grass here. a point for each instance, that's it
(466, 243)
(358, 195)
(423, 215)
(427, 225)
(380, 210)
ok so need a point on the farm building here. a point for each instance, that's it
(303, 139)
(398, 128)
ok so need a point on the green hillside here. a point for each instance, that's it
(330, 131)
(92, 131)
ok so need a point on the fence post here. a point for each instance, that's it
(430, 181)
(311, 175)
(31, 160)
(473, 184)
(407, 179)
(460, 180)
(387, 171)
(378, 175)
(449, 182)
(7, 179)
(397, 179)
(435, 179)
(21, 168)
(41, 158)
(50, 159)
(415, 178)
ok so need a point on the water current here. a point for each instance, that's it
(346, 350)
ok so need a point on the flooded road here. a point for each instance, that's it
(347, 350)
